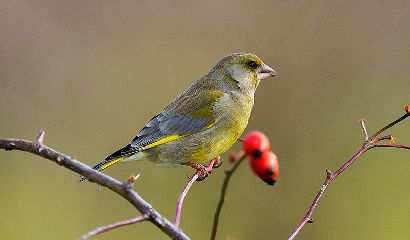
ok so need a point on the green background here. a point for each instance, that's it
(92, 73)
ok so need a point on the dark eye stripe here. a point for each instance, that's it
(252, 64)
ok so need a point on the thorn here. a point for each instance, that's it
(310, 220)
(407, 108)
(240, 140)
(40, 137)
(328, 172)
(131, 180)
(362, 124)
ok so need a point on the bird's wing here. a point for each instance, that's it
(188, 114)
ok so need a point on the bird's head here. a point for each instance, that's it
(245, 70)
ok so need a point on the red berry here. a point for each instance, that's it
(255, 144)
(266, 167)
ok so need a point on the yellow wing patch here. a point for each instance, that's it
(169, 138)
(111, 163)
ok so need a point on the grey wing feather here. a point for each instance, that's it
(162, 126)
(176, 119)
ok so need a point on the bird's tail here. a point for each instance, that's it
(114, 158)
(104, 164)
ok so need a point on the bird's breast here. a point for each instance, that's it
(233, 112)
(234, 108)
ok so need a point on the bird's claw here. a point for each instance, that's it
(202, 175)
(217, 162)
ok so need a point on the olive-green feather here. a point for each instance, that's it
(202, 122)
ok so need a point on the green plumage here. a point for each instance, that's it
(202, 122)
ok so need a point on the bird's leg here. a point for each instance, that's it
(203, 171)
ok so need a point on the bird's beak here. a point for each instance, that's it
(266, 72)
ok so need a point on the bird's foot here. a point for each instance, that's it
(203, 171)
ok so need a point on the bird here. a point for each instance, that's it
(201, 123)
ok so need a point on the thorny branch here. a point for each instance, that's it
(369, 143)
(123, 189)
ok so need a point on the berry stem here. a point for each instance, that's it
(237, 160)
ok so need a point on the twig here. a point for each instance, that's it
(186, 189)
(407, 108)
(238, 159)
(38, 148)
(112, 226)
(393, 146)
(362, 124)
(370, 142)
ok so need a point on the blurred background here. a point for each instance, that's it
(92, 73)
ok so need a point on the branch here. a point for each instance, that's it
(238, 159)
(197, 174)
(38, 148)
(370, 142)
(112, 226)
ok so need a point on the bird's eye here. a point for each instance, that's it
(252, 64)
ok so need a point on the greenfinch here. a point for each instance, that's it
(204, 121)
